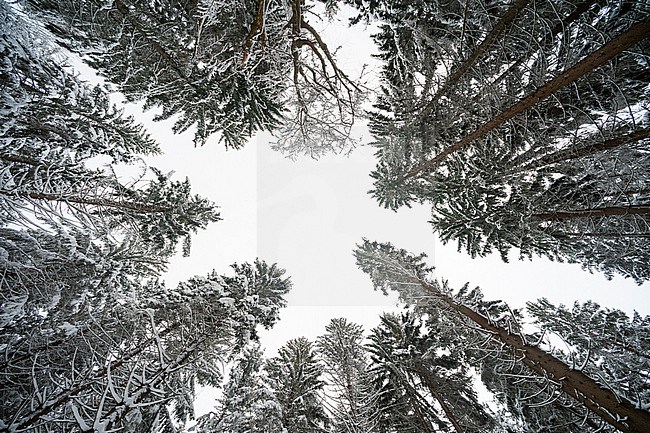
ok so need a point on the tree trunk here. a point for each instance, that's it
(613, 409)
(634, 34)
(569, 154)
(592, 213)
(136, 207)
(504, 22)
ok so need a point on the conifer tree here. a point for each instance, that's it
(138, 356)
(295, 377)
(497, 329)
(520, 123)
(222, 67)
(247, 405)
(349, 383)
(54, 126)
(437, 386)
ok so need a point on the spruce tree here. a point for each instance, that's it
(349, 383)
(295, 376)
(135, 356)
(247, 405)
(517, 131)
(491, 328)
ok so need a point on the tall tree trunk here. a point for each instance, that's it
(634, 34)
(502, 25)
(613, 409)
(592, 213)
(569, 154)
(99, 202)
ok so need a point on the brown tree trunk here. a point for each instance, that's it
(504, 22)
(613, 409)
(569, 154)
(591, 213)
(634, 34)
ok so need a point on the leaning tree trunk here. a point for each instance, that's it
(634, 34)
(594, 213)
(610, 407)
(575, 153)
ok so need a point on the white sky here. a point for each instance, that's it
(308, 215)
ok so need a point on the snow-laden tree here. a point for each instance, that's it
(534, 378)
(350, 397)
(135, 361)
(601, 341)
(524, 124)
(232, 68)
(248, 404)
(418, 365)
(55, 127)
(295, 376)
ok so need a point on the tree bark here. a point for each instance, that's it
(634, 34)
(597, 212)
(613, 409)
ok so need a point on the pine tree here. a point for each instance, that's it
(140, 354)
(295, 377)
(349, 387)
(497, 327)
(522, 126)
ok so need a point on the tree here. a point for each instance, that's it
(271, 70)
(54, 127)
(602, 341)
(247, 405)
(439, 388)
(295, 377)
(517, 132)
(138, 355)
(348, 381)
(393, 269)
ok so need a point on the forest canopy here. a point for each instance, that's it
(523, 124)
